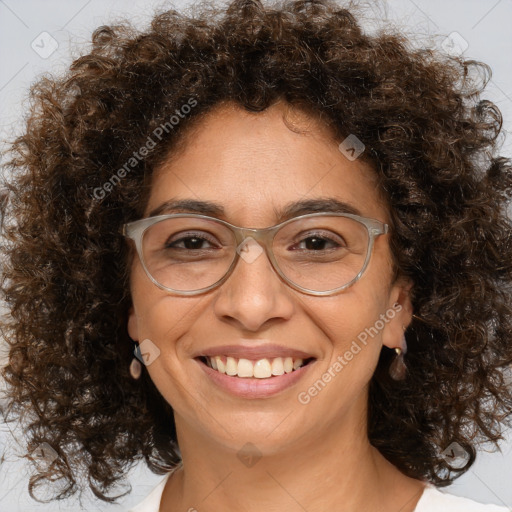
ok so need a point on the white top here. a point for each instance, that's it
(432, 500)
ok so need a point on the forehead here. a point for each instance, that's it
(255, 165)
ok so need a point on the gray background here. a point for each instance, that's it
(483, 24)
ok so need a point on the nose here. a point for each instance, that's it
(253, 294)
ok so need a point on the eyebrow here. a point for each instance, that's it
(288, 211)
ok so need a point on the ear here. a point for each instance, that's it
(400, 302)
(133, 329)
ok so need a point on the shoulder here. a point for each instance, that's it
(151, 502)
(434, 500)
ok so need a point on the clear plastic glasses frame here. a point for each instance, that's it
(264, 237)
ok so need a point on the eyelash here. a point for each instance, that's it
(187, 236)
(200, 236)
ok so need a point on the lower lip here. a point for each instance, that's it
(245, 387)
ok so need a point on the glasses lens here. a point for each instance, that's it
(321, 253)
(186, 253)
(317, 253)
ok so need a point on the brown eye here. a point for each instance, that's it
(192, 242)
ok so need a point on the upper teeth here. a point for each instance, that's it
(260, 369)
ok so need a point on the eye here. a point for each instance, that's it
(317, 241)
(191, 241)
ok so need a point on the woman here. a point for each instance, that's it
(267, 253)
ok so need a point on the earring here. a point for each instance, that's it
(398, 368)
(135, 366)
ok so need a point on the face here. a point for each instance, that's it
(253, 164)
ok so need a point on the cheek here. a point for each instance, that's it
(163, 320)
(354, 348)
(158, 316)
(353, 323)
(344, 318)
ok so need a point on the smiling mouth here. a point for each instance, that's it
(259, 369)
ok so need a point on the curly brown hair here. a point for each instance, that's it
(430, 137)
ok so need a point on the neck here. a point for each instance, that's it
(340, 470)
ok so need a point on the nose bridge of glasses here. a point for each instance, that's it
(262, 236)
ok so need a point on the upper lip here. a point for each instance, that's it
(268, 351)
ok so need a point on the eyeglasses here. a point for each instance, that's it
(317, 254)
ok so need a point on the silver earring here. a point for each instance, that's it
(398, 368)
(135, 366)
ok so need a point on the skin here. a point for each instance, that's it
(313, 457)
